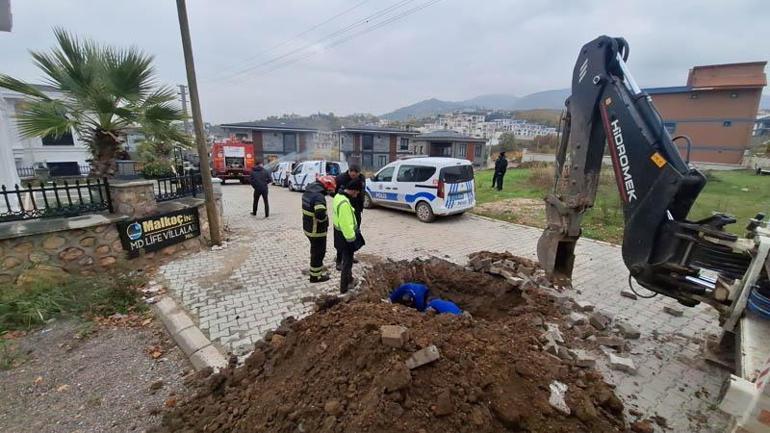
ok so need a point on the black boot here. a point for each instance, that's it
(320, 279)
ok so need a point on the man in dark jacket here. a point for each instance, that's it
(343, 180)
(501, 165)
(315, 222)
(260, 179)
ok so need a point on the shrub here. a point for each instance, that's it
(156, 169)
(542, 177)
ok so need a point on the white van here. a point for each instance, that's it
(426, 186)
(281, 173)
(307, 172)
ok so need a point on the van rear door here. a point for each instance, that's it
(457, 186)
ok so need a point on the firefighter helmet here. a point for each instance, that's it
(329, 183)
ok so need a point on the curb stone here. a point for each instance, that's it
(187, 336)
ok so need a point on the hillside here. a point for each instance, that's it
(549, 99)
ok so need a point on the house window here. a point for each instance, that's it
(727, 123)
(242, 136)
(403, 144)
(65, 140)
(446, 151)
(367, 160)
(477, 150)
(381, 161)
(367, 142)
(461, 150)
(670, 127)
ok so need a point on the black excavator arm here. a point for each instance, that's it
(663, 251)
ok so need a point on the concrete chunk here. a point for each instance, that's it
(394, 335)
(209, 356)
(575, 319)
(622, 364)
(600, 320)
(584, 306)
(674, 311)
(423, 356)
(583, 358)
(627, 293)
(552, 331)
(628, 330)
(615, 342)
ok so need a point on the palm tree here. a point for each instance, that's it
(106, 90)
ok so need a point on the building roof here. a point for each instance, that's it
(730, 75)
(448, 135)
(663, 90)
(375, 129)
(271, 125)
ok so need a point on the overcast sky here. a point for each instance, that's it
(453, 49)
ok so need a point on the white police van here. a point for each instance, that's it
(307, 172)
(428, 186)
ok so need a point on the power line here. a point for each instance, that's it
(343, 30)
(353, 36)
(298, 35)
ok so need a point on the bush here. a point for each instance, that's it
(157, 169)
(33, 305)
(542, 177)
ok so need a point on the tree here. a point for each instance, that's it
(107, 90)
(156, 150)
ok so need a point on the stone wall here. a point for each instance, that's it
(90, 243)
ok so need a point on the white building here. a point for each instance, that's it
(62, 156)
(475, 125)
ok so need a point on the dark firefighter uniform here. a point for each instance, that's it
(315, 223)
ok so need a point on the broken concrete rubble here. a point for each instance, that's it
(611, 341)
(394, 335)
(552, 331)
(584, 306)
(674, 311)
(628, 331)
(627, 293)
(621, 363)
(423, 356)
(600, 320)
(583, 358)
(575, 319)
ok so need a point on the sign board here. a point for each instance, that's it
(234, 151)
(158, 231)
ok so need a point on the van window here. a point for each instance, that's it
(332, 168)
(456, 174)
(297, 169)
(385, 175)
(415, 173)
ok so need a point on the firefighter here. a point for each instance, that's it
(347, 237)
(315, 222)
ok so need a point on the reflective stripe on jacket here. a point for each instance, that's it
(344, 217)
(315, 221)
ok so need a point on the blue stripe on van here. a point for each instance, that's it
(411, 198)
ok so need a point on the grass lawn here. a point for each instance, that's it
(738, 193)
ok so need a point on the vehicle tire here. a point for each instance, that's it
(424, 212)
(368, 203)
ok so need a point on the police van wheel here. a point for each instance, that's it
(424, 212)
(368, 203)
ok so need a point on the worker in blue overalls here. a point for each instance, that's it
(415, 295)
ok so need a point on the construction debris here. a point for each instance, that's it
(611, 341)
(584, 306)
(621, 363)
(583, 358)
(600, 320)
(628, 331)
(394, 335)
(627, 293)
(674, 311)
(489, 372)
(422, 357)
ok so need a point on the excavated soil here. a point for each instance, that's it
(330, 372)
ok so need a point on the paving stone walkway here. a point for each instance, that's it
(238, 293)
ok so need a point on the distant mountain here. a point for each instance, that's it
(549, 99)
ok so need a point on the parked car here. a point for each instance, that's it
(281, 173)
(429, 187)
(307, 172)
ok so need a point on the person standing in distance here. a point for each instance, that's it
(501, 166)
(260, 179)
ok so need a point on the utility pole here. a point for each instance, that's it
(183, 97)
(200, 137)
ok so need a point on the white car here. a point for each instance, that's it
(307, 172)
(428, 187)
(281, 173)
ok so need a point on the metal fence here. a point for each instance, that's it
(63, 199)
(170, 188)
(27, 172)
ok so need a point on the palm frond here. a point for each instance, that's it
(128, 73)
(42, 118)
(11, 83)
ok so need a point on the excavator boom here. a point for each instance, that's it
(664, 252)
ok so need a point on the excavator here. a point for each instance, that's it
(665, 252)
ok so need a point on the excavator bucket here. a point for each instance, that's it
(556, 256)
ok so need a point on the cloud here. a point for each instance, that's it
(452, 49)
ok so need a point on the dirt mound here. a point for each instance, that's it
(331, 372)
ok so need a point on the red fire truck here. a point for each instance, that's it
(232, 159)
